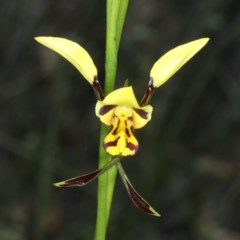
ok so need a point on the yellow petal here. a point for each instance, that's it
(74, 53)
(173, 60)
(122, 97)
(142, 116)
(105, 113)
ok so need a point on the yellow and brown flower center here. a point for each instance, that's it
(120, 139)
(121, 112)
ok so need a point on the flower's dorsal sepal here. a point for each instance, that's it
(74, 53)
(121, 111)
(173, 60)
(122, 97)
(86, 178)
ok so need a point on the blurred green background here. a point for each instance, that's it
(188, 164)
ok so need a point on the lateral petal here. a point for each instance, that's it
(173, 60)
(105, 112)
(142, 116)
(74, 53)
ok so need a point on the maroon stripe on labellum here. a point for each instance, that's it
(138, 200)
(132, 129)
(143, 114)
(105, 109)
(110, 144)
(127, 132)
(132, 146)
(115, 131)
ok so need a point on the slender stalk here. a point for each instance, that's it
(121, 18)
(111, 45)
(116, 11)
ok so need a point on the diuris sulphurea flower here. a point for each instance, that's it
(120, 109)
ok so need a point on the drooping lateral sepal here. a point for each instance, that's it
(138, 200)
(74, 53)
(173, 60)
(86, 178)
(79, 181)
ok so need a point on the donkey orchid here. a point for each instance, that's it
(120, 109)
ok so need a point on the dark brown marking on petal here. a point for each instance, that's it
(115, 131)
(110, 144)
(105, 109)
(132, 146)
(130, 119)
(143, 114)
(127, 132)
(116, 128)
(126, 123)
(139, 201)
(132, 129)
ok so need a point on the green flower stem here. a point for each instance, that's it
(121, 18)
(111, 45)
(116, 12)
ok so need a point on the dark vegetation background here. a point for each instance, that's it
(188, 163)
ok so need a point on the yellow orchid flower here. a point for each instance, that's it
(120, 109)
